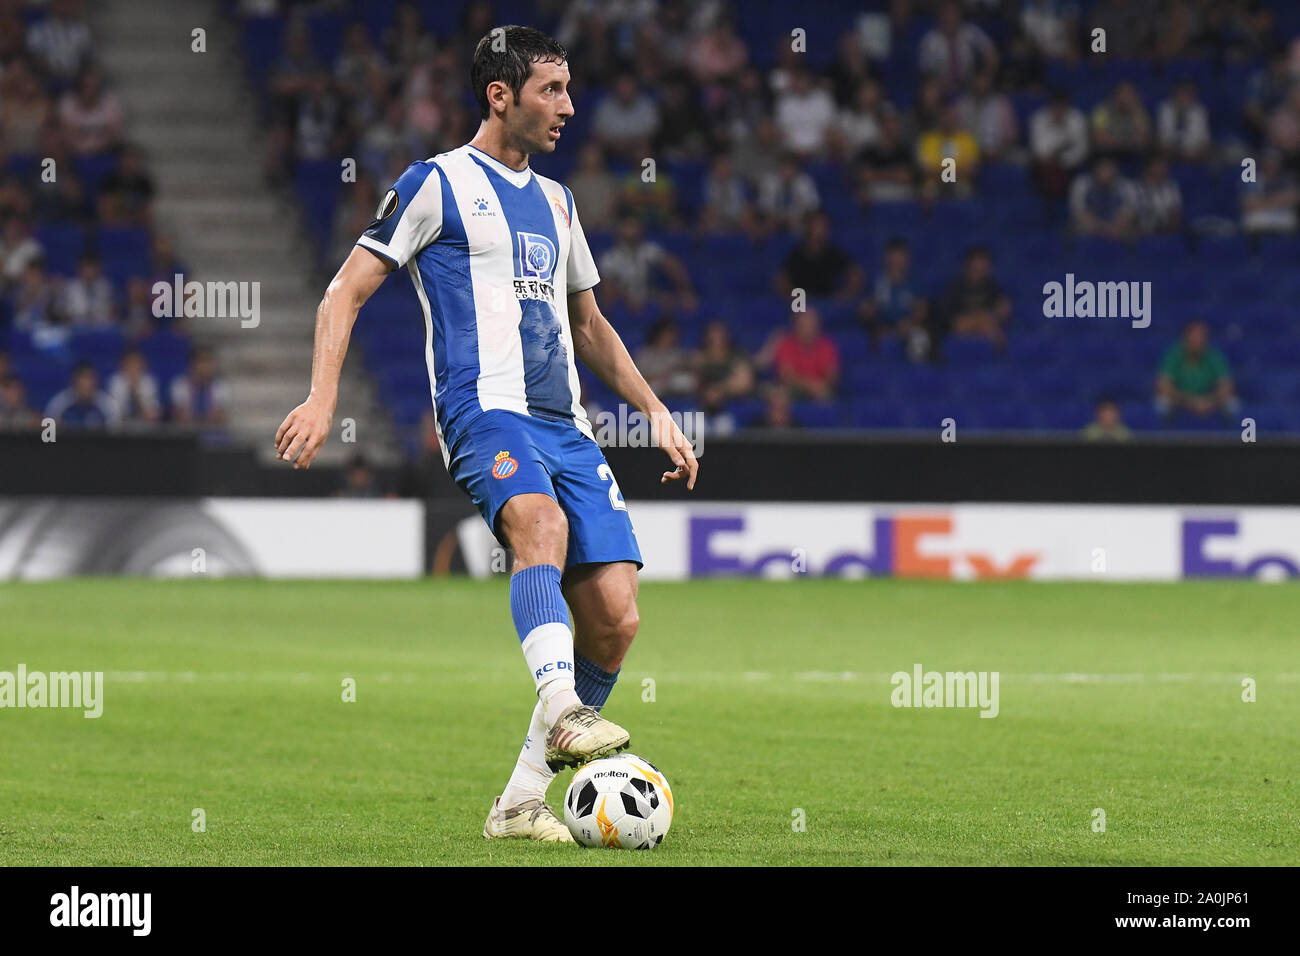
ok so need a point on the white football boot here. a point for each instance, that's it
(530, 820)
(580, 735)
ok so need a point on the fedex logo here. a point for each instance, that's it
(1199, 538)
(548, 668)
(896, 548)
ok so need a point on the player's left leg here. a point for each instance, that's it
(602, 598)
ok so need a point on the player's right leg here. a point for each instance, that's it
(537, 532)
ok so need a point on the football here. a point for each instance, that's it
(621, 802)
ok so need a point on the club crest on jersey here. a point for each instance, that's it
(503, 465)
(559, 207)
(535, 278)
(387, 206)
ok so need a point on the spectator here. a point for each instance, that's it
(1270, 203)
(36, 302)
(818, 266)
(1052, 26)
(629, 269)
(653, 202)
(895, 307)
(788, 195)
(200, 396)
(423, 475)
(1107, 423)
(295, 68)
(15, 413)
(82, 404)
(1103, 203)
(1266, 88)
(777, 410)
(595, 189)
(953, 51)
(138, 318)
(1194, 377)
(723, 372)
(27, 108)
(664, 362)
(974, 303)
(626, 119)
(353, 214)
(126, 194)
(887, 170)
(92, 115)
(1158, 199)
(805, 114)
(62, 40)
(805, 359)
(948, 141)
(1120, 124)
(988, 114)
(1284, 128)
(18, 249)
(358, 480)
(717, 55)
(1058, 142)
(858, 127)
(1183, 125)
(758, 157)
(681, 136)
(87, 298)
(851, 69)
(726, 199)
(134, 392)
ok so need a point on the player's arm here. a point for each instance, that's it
(305, 429)
(601, 349)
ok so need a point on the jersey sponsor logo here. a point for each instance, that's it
(503, 465)
(387, 206)
(560, 208)
(535, 278)
(481, 209)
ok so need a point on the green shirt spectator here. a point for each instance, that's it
(1194, 377)
(1194, 374)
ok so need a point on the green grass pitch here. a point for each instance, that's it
(769, 698)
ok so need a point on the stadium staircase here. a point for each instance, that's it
(205, 151)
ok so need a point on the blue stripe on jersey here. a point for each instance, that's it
(445, 273)
(407, 185)
(536, 246)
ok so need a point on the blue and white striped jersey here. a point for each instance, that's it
(494, 254)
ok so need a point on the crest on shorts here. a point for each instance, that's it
(503, 465)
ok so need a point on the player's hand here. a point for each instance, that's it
(670, 438)
(301, 434)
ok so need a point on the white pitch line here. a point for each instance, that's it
(823, 677)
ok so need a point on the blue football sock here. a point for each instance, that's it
(536, 599)
(592, 682)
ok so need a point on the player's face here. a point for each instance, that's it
(544, 106)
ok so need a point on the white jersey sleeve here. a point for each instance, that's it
(582, 274)
(409, 216)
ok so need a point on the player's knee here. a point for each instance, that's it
(539, 533)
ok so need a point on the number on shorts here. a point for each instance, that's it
(615, 496)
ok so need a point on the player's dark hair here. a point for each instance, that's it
(506, 55)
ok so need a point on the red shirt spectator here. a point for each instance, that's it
(806, 360)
